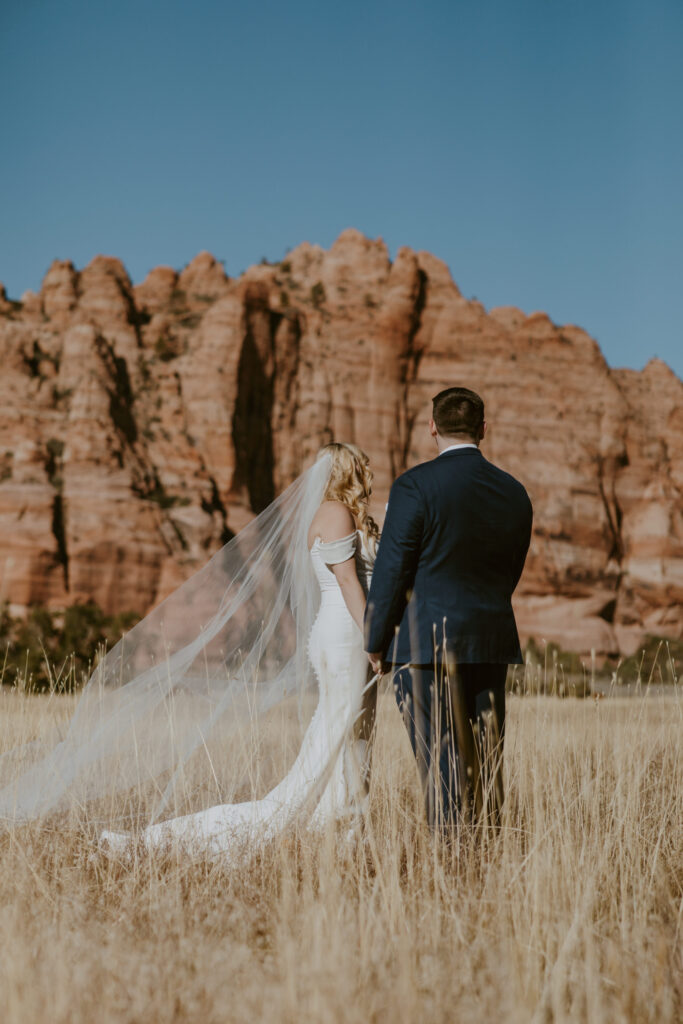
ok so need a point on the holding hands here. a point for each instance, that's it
(376, 662)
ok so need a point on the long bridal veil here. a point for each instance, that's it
(203, 701)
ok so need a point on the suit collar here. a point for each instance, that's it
(458, 452)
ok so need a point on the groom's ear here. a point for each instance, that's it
(432, 427)
(483, 430)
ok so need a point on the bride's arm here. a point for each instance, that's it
(334, 522)
(353, 593)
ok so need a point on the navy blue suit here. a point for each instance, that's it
(452, 550)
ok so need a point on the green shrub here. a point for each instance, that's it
(56, 650)
(659, 660)
(551, 670)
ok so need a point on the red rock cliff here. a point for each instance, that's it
(141, 425)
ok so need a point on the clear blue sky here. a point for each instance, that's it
(535, 146)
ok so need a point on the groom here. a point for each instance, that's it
(452, 550)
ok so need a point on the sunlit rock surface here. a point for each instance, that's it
(141, 426)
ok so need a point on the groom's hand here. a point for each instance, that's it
(375, 662)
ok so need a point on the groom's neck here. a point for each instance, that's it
(442, 443)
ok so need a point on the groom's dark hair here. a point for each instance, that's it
(458, 412)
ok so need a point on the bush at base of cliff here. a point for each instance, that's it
(51, 650)
(659, 660)
(548, 669)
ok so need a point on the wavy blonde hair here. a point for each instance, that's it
(351, 483)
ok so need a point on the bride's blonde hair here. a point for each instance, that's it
(351, 483)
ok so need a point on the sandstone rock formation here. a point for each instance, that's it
(141, 426)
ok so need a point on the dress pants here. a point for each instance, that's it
(426, 695)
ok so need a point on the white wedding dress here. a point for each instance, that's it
(329, 779)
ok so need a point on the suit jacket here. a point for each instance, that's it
(452, 550)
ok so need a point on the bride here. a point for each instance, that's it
(277, 611)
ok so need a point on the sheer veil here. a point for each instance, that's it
(177, 714)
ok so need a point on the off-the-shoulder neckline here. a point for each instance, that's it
(319, 540)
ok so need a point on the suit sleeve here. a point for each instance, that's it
(396, 564)
(523, 549)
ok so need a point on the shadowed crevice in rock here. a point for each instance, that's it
(613, 514)
(287, 334)
(53, 469)
(121, 398)
(59, 534)
(407, 411)
(214, 504)
(251, 424)
(608, 610)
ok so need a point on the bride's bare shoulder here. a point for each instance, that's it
(332, 521)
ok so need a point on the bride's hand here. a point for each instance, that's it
(376, 662)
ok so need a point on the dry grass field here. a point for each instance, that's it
(572, 912)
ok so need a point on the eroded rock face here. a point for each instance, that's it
(141, 426)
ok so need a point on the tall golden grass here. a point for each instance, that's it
(571, 912)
